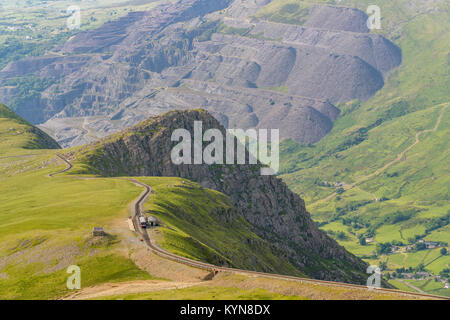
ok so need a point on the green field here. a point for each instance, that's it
(44, 227)
(429, 286)
(285, 11)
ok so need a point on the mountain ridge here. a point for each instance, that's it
(36, 138)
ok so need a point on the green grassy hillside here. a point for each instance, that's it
(382, 172)
(17, 134)
(46, 223)
(201, 224)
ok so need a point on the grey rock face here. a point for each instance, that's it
(275, 213)
(337, 18)
(267, 74)
(245, 8)
(374, 49)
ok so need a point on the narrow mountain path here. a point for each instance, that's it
(143, 234)
(69, 166)
(400, 157)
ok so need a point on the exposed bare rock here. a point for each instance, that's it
(337, 18)
(374, 49)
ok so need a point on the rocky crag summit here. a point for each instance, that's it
(274, 213)
(229, 57)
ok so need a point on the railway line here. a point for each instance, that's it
(143, 233)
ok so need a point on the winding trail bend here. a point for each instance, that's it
(69, 166)
(153, 247)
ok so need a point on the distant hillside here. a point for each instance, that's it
(15, 132)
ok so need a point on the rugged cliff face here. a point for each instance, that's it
(275, 213)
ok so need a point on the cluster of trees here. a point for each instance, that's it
(15, 48)
(398, 272)
(340, 235)
(362, 239)
(436, 223)
(350, 207)
(353, 222)
(445, 273)
(383, 248)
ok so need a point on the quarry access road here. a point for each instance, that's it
(143, 233)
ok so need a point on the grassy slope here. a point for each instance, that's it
(196, 225)
(19, 134)
(46, 223)
(45, 23)
(205, 293)
(44, 227)
(410, 102)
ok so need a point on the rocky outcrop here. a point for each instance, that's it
(275, 214)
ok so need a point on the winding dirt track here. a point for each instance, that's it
(138, 204)
(399, 157)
